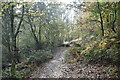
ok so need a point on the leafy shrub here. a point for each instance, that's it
(108, 55)
(76, 49)
(39, 57)
(6, 73)
(24, 68)
(68, 57)
(75, 52)
(94, 55)
(113, 55)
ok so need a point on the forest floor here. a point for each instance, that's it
(57, 68)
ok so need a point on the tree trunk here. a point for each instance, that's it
(39, 35)
(118, 19)
(14, 49)
(34, 35)
(101, 19)
(12, 43)
(115, 16)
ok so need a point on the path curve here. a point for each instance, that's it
(57, 68)
(54, 68)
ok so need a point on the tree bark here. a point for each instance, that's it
(14, 49)
(101, 19)
(115, 16)
(34, 35)
(39, 35)
(12, 43)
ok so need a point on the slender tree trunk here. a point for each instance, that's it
(14, 49)
(115, 16)
(12, 43)
(34, 35)
(101, 19)
(39, 35)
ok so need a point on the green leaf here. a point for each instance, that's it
(13, 3)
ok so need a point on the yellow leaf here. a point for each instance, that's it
(73, 61)
(42, 14)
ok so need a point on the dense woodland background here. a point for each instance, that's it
(32, 31)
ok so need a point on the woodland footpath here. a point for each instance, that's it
(53, 39)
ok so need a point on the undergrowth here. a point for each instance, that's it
(32, 62)
(106, 51)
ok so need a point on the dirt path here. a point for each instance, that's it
(56, 68)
